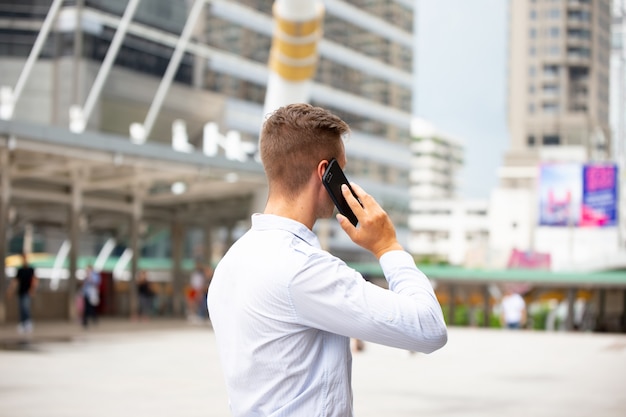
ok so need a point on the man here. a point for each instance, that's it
(91, 296)
(284, 310)
(513, 309)
(25, 283)
(196, 295)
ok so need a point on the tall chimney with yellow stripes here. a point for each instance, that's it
(293, 57)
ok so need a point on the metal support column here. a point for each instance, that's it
(230, 237)
(105, 67)
(623, 320)
(486, 306)
(451, 304)
(34, 54)
(170, 72)
(5, 197)
(135, 224)
(571, 299)
(208, 245)
(27, 244)
(600, 320)
(178, 284)
(200, 64)
(75, 212)
(78, 52)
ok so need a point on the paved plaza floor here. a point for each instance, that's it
(171, 369)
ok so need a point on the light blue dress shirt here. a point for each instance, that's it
(283, 311)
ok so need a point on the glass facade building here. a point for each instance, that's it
(364, 74)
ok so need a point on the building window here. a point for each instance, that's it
(531, 108)
(550, 108)
(550, 89)
(551, 70)
(578, 52)
(530, 141)
(579, 15)
(578, 74)
(582, 34)
(578, 108)
(551, 140)
(554, 32)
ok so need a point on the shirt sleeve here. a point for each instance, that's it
(329, 295)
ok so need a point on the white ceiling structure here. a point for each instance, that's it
(45, 165)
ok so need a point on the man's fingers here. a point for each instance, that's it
(346, 225)
(355, 205)
(360, 192)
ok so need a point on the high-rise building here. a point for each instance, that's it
(558, 91)
(618, 103)
(558, 98)
(618, 79)
(442, 226)
(364, 74)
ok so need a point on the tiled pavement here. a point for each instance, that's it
(170, 368)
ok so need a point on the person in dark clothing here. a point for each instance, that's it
(25, 284)
(146, 296)
(91, 296)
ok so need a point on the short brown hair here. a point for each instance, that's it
(294, 139)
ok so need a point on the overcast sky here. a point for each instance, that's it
(461, 82)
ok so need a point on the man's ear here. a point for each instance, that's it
(321, 168)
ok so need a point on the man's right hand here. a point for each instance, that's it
(375, 231)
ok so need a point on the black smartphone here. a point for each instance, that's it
(333, 178)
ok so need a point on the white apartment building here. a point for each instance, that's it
(449, 230)
(436, 158)
(442, 226)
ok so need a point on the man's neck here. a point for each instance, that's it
(296, 209)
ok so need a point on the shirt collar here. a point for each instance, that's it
(262, 221)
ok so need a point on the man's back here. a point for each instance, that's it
(273, 362)
(25, 276)
(283, 310)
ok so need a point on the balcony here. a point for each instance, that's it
(578, 4)
(550, 91)
(577, 41)
(578, 17)
(428, 163)
(550, 72)
(438, 179)
(578, 55)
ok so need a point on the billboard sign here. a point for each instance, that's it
(581, 195)
(529, 260)
(599, 204)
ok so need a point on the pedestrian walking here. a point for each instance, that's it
(91, 296)
(512, 309)
(24, 285)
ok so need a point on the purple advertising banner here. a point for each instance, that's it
(572, 194)
(599, 200)
(560, 194)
